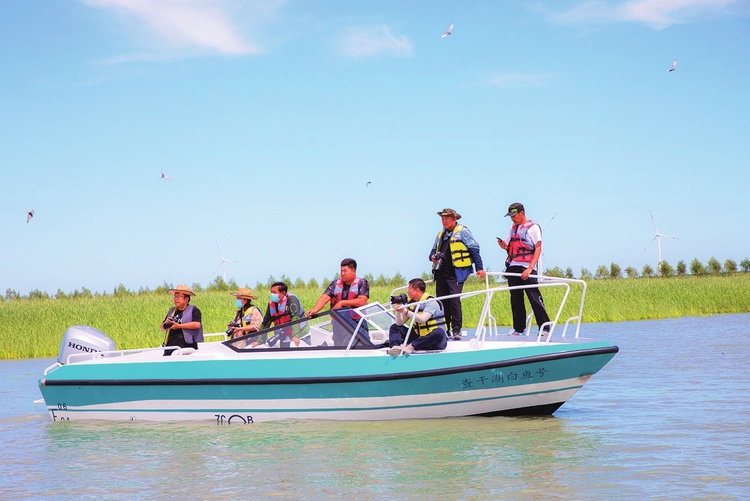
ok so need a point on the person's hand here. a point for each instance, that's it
(337, 306)
(398, 307)
(237, 332)
(525, 274)
(310, 313)
(481, 273)
(502, 244)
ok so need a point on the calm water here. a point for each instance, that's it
(668, 418)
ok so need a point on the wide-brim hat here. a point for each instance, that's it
(449, 212)
(183, 289)
(244, 293)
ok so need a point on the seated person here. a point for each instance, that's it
(349, 291)
(248, 317)
(284, 307)
(428, 322)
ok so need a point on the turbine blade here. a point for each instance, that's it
(652, 241)
(653, 221)
(217, 268)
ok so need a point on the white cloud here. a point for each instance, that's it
(192, 24)
(656, 13)
(366, 41)
(519, 80)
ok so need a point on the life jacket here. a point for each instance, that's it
(435, 321)
(239, 317)
(520, 247)
(338, 289)
(279, 312)
(191, 335)
(459, 252)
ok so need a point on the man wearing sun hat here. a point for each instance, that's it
(248, 317)
(182, 326)
(453, 254)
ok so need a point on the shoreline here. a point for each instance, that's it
(34, 328)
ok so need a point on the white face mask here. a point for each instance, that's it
(238, 302)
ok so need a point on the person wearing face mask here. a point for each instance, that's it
(248, 317)
(284, 307)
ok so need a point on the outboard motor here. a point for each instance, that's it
(83, 339)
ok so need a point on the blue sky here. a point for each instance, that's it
(270, 117)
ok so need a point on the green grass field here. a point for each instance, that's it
(34, 328)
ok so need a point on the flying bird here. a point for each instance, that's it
(448, 31)
(164, 176)
(368, 184)
(29, 215)
(673, 66)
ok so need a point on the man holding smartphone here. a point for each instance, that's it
(524, 247)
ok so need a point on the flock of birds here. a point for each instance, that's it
(449, 31)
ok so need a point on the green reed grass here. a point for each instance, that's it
(34, 328)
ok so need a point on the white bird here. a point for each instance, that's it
(164, 176)
(673, 66)
(29, 215)
(368, 184)
(448, 31)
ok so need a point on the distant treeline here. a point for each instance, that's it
(664, 270)
(613, 271)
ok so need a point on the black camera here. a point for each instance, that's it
(438, 261)
(400, 299)
(232, 325)
(169, 322)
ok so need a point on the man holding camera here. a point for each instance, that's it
(182, 326)
(248, 317)
(452, 256)
(427, 321)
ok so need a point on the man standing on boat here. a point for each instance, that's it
(452, 256)
(428, 322)
(248, 317)
(182, 326)
(349, 291)
(524, 246)
(284, 307)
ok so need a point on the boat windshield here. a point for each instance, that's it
(332, 329)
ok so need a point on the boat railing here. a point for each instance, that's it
(487, 323)
(81, 357)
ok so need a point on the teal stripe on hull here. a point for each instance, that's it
(294, 410)
(506, 377)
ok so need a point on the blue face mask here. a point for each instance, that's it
(274, 297)
(238, 302)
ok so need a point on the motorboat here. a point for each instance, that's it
(333, 366)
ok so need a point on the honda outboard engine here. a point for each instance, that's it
(83, 339)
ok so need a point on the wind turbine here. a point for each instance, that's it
(223, 262)
(657, 237)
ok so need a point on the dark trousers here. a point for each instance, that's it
(435, 340)
(451, 307)
(517, 304)
(178, 339)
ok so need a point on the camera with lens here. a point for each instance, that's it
(438, 261)
(400, 299)
(169, 322)
(232, 325)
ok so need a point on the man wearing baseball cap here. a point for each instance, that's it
(182, 326)
(453, 254)
(524, 247)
